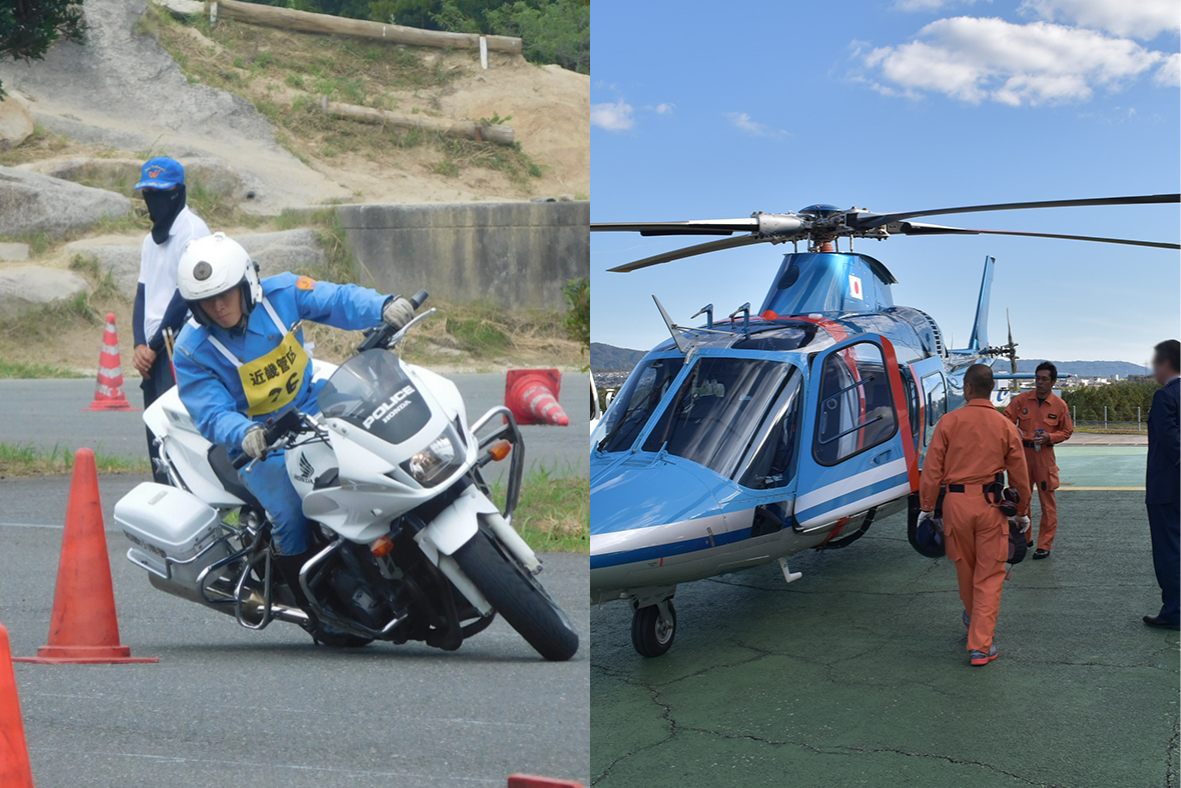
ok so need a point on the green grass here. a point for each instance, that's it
(19, 370)
(18, 459)
(553, 515)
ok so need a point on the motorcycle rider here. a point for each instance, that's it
(241, 360)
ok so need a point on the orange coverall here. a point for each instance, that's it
(970, 447)
(1053, 416)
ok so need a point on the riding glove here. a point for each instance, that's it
(255, 442)
(397, 312)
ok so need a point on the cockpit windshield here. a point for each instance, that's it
(719, 409)
(637, 401)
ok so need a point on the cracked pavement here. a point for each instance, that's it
(857, 673)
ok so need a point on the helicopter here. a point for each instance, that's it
(748, 439)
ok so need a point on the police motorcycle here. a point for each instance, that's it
(408, 544)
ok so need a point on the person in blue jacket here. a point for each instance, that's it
(1163, 483)
(241, 360)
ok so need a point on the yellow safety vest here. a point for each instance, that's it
(271, 381)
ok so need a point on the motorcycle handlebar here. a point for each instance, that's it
(274, 429)
(379, 336)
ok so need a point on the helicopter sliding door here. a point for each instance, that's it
(858, 450)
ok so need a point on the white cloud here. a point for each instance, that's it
(929, 5)
(744, 122)
(1144, 19)
(613, 117)
(1169, 74)
(990, 59)
(664, 109)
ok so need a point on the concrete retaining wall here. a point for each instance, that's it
(516, 254)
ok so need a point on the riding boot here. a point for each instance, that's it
(289, 566)
(321, 632)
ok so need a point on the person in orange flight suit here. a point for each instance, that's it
(969, 448)
(1042, 420)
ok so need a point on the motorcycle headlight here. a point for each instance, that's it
(436, 462)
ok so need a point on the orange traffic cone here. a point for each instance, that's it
(532, 396)
(533, 781)
(84, 627)
(14, 754)
(108, 392)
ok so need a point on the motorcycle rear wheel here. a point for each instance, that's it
(518, 598)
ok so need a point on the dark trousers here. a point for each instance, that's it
(1164, 522)
(154, 386)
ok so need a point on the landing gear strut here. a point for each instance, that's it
(653, 628)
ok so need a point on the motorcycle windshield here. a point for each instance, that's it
(373, 392)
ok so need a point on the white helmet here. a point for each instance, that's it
(214, 265)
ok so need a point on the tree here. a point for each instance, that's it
(29, 27)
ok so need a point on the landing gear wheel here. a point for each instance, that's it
(654, 628)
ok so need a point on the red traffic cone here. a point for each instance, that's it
(84, 627)
(532, 396)
(108, 392)
(533, 781)
(15, 771)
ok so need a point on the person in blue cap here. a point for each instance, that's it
(158, 305)
(241, 360)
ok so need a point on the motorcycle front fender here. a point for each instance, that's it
(457, 524)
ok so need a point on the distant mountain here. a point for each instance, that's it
(1085, 369)
(609, 357)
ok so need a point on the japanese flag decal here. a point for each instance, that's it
(855, 288)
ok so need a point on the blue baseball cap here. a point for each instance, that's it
(161, 173)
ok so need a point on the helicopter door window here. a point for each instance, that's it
(936, 393)
(856, 405)
(774, 463)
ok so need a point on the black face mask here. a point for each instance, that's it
(164, 207)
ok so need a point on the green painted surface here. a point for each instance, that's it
(1101, 466)
(857, 673)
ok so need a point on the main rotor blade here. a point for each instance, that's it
(917, 228)
(866, 221)
(695, 227)
(690, 251)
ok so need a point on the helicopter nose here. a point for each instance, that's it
(642, 513)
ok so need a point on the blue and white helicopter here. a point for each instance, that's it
(746, 440)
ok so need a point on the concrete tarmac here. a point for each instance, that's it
(857, 674)
(53, 414)
(227, 706)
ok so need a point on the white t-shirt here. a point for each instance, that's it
(157, 266)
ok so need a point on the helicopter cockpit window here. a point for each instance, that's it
(718, 409)
(636, 401)
(776, 449)
(856, 404)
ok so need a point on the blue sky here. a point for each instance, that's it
(714, 110)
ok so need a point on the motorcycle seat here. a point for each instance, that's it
(219, 460)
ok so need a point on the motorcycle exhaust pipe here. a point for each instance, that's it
(279, 611)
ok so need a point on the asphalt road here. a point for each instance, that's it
(857, 674)
(226, 706)
(53, 414)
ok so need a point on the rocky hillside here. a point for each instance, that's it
(239, 106)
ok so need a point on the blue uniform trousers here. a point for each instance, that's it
(271, 485)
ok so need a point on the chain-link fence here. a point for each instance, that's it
(1115, 419)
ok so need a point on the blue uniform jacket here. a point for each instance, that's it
(1164, 446)
(209, 384)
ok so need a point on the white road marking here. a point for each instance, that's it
(258, 765)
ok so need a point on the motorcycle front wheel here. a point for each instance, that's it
(518, 598)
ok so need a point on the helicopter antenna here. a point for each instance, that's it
(678, 337)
